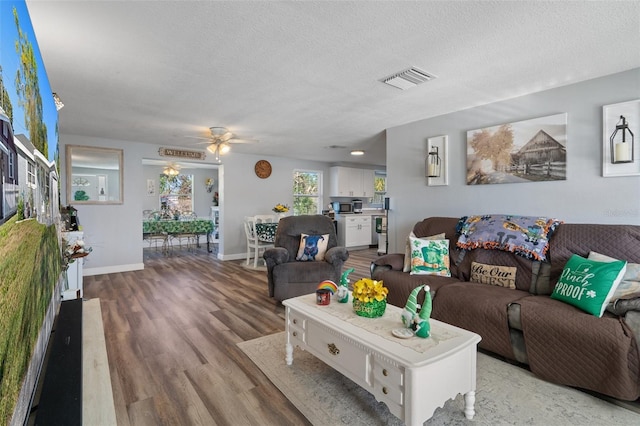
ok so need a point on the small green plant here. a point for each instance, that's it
(20, 208)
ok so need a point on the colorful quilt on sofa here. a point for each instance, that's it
(526, 236)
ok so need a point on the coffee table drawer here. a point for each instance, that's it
(338, 352)
(388, 380)
(298, 326)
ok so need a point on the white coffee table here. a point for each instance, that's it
(412, 376)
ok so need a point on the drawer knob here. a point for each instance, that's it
(295, 321)
(385, 372)
(295, 334)
(333, 349)
(384, 390)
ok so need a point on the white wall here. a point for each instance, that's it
(585, 197)
(245, 194)
(202, 200)
(115, 231)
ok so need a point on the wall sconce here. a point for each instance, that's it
(209, 184)
(621, 149)
(435, 164)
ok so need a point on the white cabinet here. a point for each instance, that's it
(73, 288)
(354, 230)
(215, 218)
(368, 179)
(350, 182)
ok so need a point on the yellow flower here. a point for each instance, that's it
(281, 208)
(367, 290)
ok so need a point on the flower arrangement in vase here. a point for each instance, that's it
(369, 298)
(281, 208)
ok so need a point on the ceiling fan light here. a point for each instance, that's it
(224, 148)
(170, 171)
(213, 148)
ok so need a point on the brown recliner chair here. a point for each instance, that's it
(289, 277)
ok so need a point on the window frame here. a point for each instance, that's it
(179, 196)
(319, 195)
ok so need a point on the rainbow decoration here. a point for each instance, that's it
(328, 285)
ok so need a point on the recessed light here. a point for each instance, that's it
(357, 152)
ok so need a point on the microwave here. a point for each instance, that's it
(345, 208)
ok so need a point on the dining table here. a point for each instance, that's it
(266, 231)
(174, 227)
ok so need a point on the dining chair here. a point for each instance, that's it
(156, 239)
(190, 238)
(253, 243)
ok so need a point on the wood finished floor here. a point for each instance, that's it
(171, 332)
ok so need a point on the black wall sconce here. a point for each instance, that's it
(434, 163)
(621, 147)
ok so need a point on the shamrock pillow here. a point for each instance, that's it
(407, 252)
(312, 247)
(588, 284)
(429, 257)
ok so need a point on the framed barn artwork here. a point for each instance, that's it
(532, 150)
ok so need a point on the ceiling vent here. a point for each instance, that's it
(408, 78)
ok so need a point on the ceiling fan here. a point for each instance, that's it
(171, 170)
(219, 143)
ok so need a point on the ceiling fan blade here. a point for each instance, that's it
(198, 137)
(238, 140)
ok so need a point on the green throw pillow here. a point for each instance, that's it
(429, 257)
(588, 284)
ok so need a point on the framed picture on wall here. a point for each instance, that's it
(523, 151)
(151, 187)
(621, 122)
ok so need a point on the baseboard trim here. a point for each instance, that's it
(87, 272)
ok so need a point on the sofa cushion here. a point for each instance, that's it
(630, 284)
(526, 267)
(617, 241)
(501, 276)
(407, 251)
(568, 346)
(588, 284)
(312, 247)
(401, 283)
(479, 308)
(429, 257)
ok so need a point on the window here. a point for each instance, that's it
(31, 174)
(379, 188)
(307, 192)
(176, 192)
(11, 161)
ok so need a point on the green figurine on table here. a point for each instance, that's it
(419, 323)
(343, 288)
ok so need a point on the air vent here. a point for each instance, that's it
(408, 78)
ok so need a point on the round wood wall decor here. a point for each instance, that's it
(263, 169)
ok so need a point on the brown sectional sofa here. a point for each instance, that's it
(559, 342)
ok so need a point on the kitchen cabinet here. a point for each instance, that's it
(354, 231)
(351, 182)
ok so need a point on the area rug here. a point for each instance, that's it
(505, 394)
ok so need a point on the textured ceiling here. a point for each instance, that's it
(302, 76)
